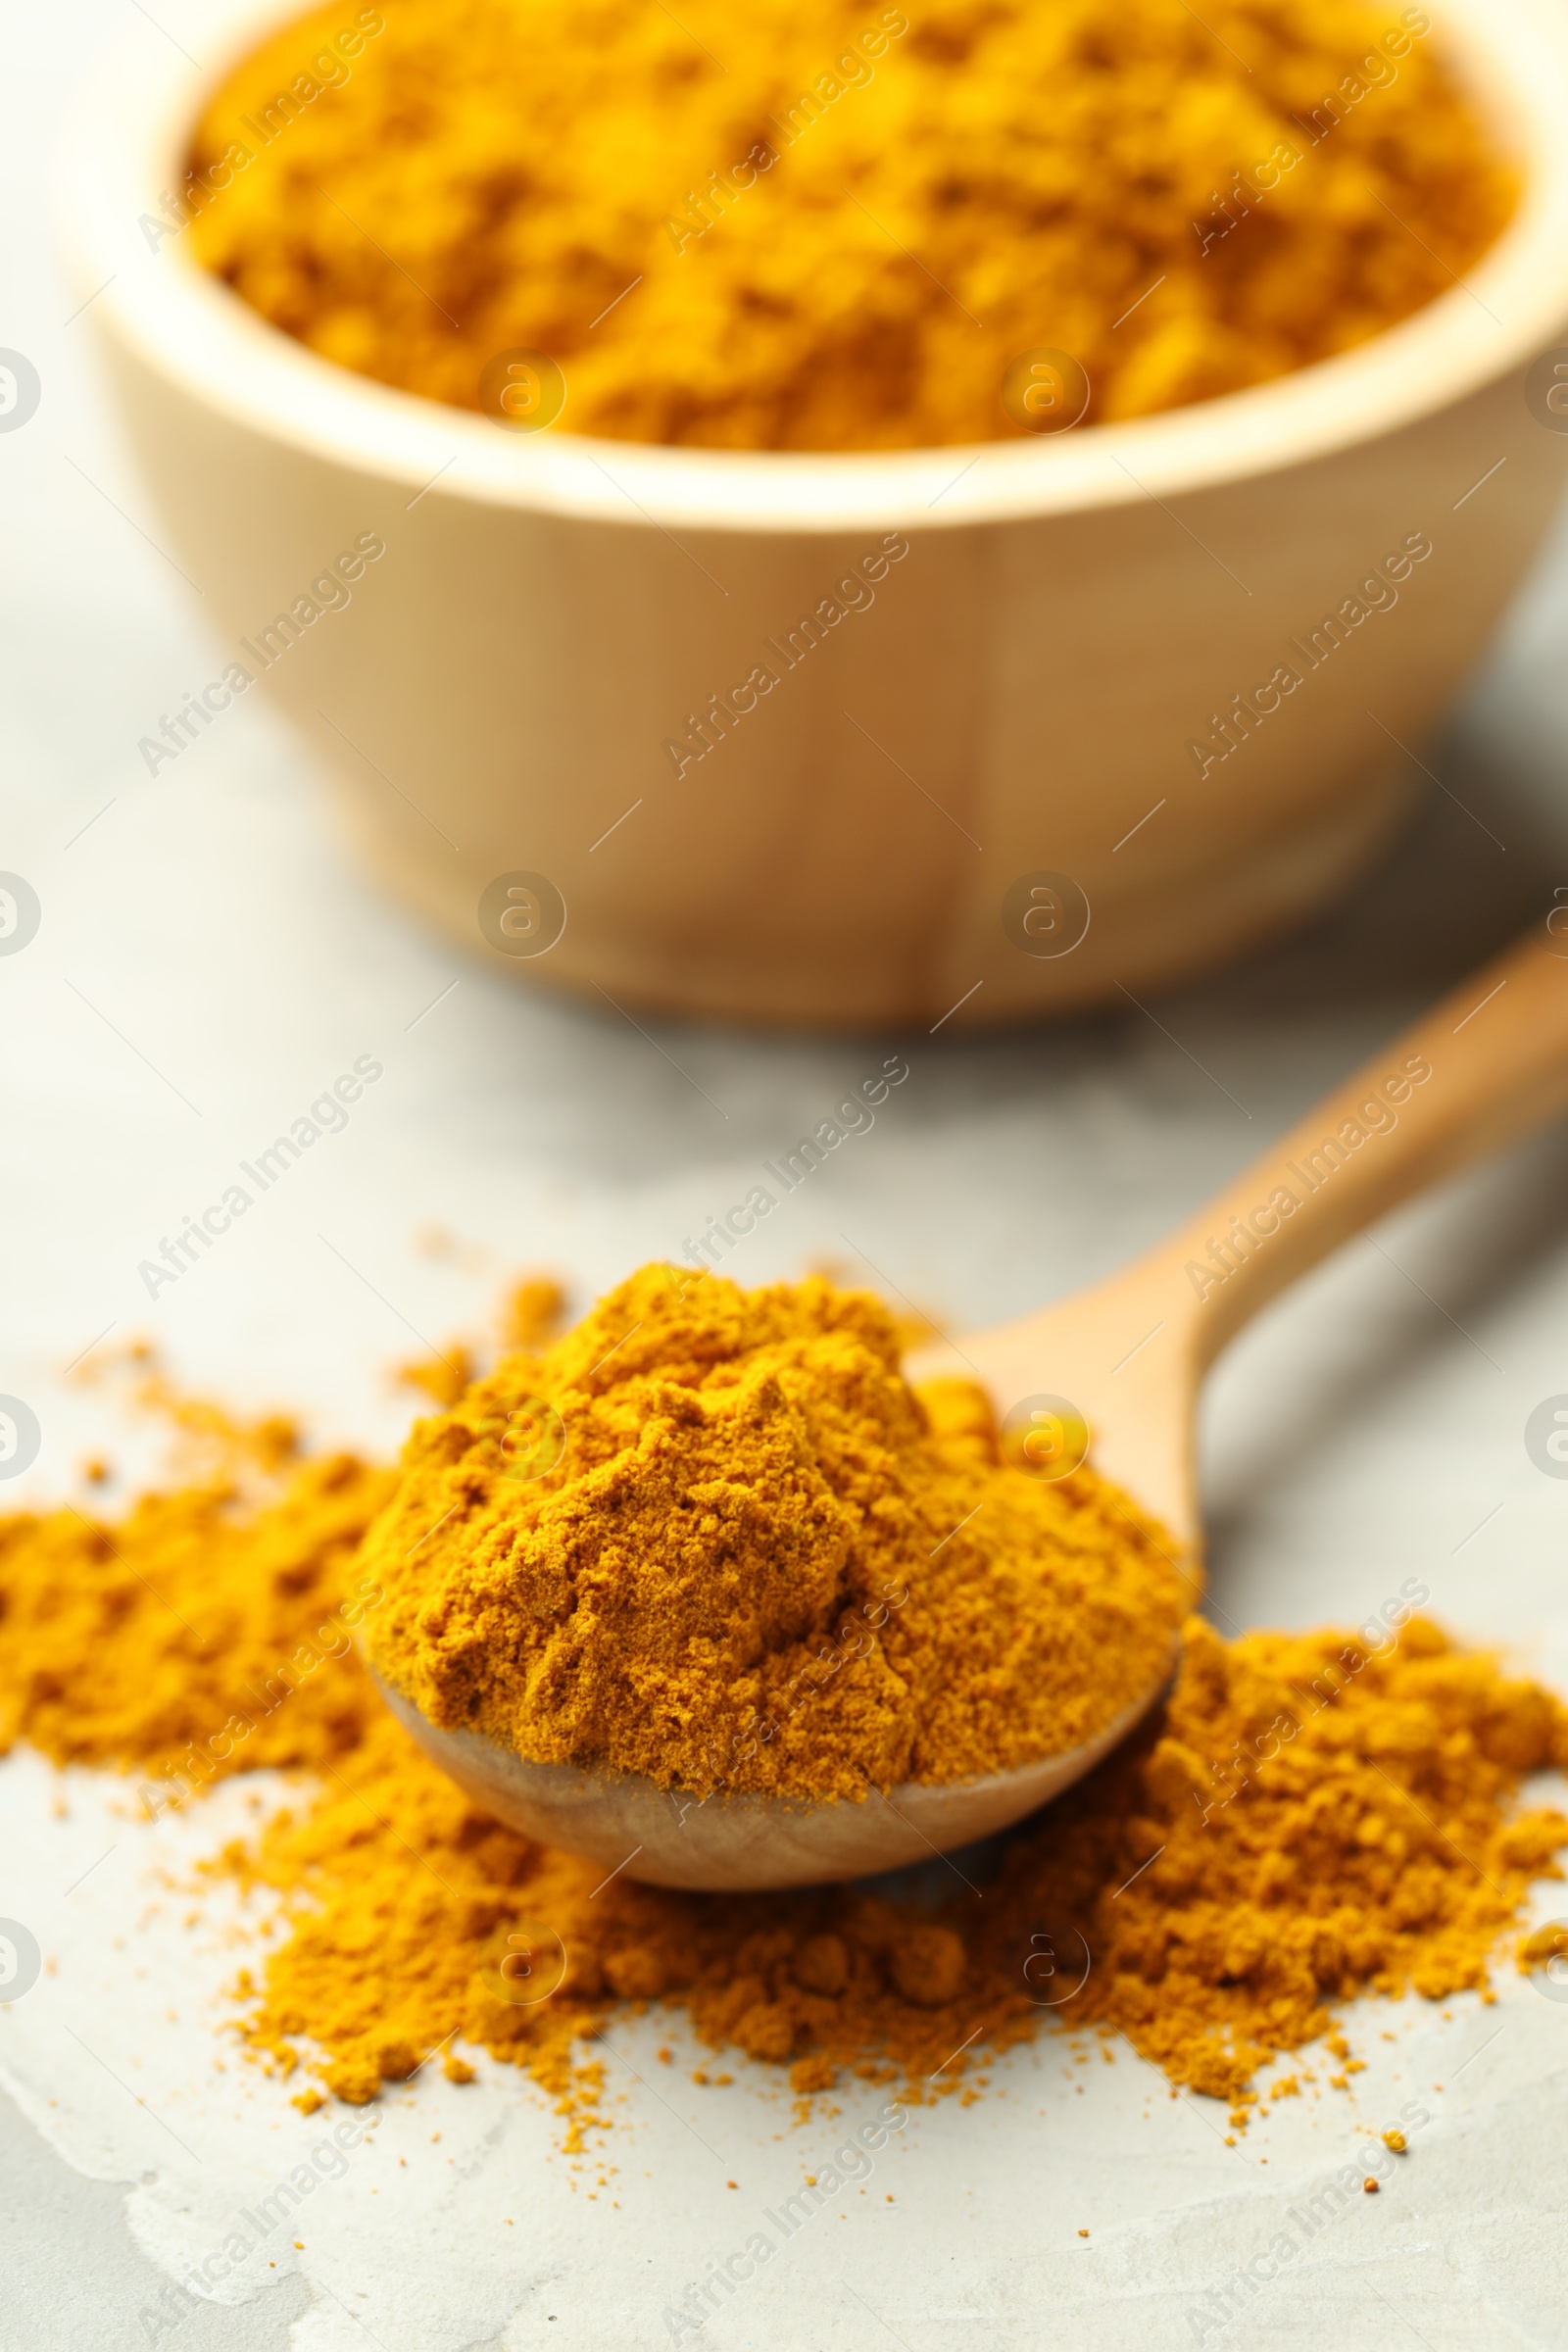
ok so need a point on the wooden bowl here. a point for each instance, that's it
(976, 797)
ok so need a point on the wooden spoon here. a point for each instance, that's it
(1122, 1363)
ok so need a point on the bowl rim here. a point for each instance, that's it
(123, 144)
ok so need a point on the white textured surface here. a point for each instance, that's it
(1358, 1435)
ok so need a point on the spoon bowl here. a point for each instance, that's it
(733, 1843)
(1123, 1360)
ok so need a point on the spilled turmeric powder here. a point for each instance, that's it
(1305, 1819)
(1371, 1847)
(197, 1636)
(712, 1536)
(838, 225)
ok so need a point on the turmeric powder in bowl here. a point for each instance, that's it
(712, 1537)
(837, 226)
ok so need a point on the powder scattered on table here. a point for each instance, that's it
(1307, 1818)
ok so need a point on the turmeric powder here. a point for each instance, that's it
(189, 1638)
(1307, 1818)
(1371, 1848)
(712, 1537)
(839, 225)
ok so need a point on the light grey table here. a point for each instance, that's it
(208, 959)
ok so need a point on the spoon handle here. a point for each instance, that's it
(1483, 1068)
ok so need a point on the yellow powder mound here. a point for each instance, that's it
(713, 1537)
(834, 225)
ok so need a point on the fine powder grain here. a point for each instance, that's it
(1307, 1818)
(833, 224)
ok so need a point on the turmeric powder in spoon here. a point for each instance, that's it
(712, 1537)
